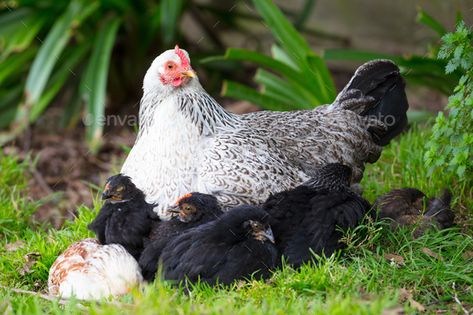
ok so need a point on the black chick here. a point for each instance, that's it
(192, 210)
(405, 207)
(307, 219)
(125, 218)
(235, 246)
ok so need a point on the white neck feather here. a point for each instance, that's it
(192, 102)
(174, 130)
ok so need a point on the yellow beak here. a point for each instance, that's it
(190, 74)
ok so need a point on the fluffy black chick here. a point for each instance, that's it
(125, 218)
(405, 207)
(237, 245)
(307, 219)
(192, 210)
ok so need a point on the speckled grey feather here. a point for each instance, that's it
(188, 142)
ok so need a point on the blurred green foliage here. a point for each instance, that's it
(295, 77)
(451, 144)
(86, 54)
(426, 70)
(55, 46)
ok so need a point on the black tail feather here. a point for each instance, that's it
(379, 86)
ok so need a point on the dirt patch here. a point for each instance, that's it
(64, 173)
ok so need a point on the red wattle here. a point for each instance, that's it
(176, 82)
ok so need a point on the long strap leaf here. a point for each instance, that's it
(94, 83)
(49, 54)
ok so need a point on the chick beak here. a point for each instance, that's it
(174, 210)
(268, 233)
(189, 73)
(106, 195)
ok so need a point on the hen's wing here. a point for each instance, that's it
(242, 166)
(320, 136)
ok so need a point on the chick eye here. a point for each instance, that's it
(255, 224)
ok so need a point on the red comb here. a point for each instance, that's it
(182, 198)
(184, 61)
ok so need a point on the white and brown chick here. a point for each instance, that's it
(88, 270)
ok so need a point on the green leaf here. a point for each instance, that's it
(49, 54)
(8, 105)
(58, 79)
(15, 64)
(239, 91)
(279, 54)
(94, 83)
(282, 90)
(305, 13)
(324, 88)
(283, 30)
(13, 17)
(274, 65)
(432, 23)
(20, 35)
(170, 12)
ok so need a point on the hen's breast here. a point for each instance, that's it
(162, 161)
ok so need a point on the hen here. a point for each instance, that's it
(307, 219)
(188, 142)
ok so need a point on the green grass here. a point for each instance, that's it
(361, 281)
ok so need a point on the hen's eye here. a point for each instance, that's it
(170, 66)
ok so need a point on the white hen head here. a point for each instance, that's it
(169, 72)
